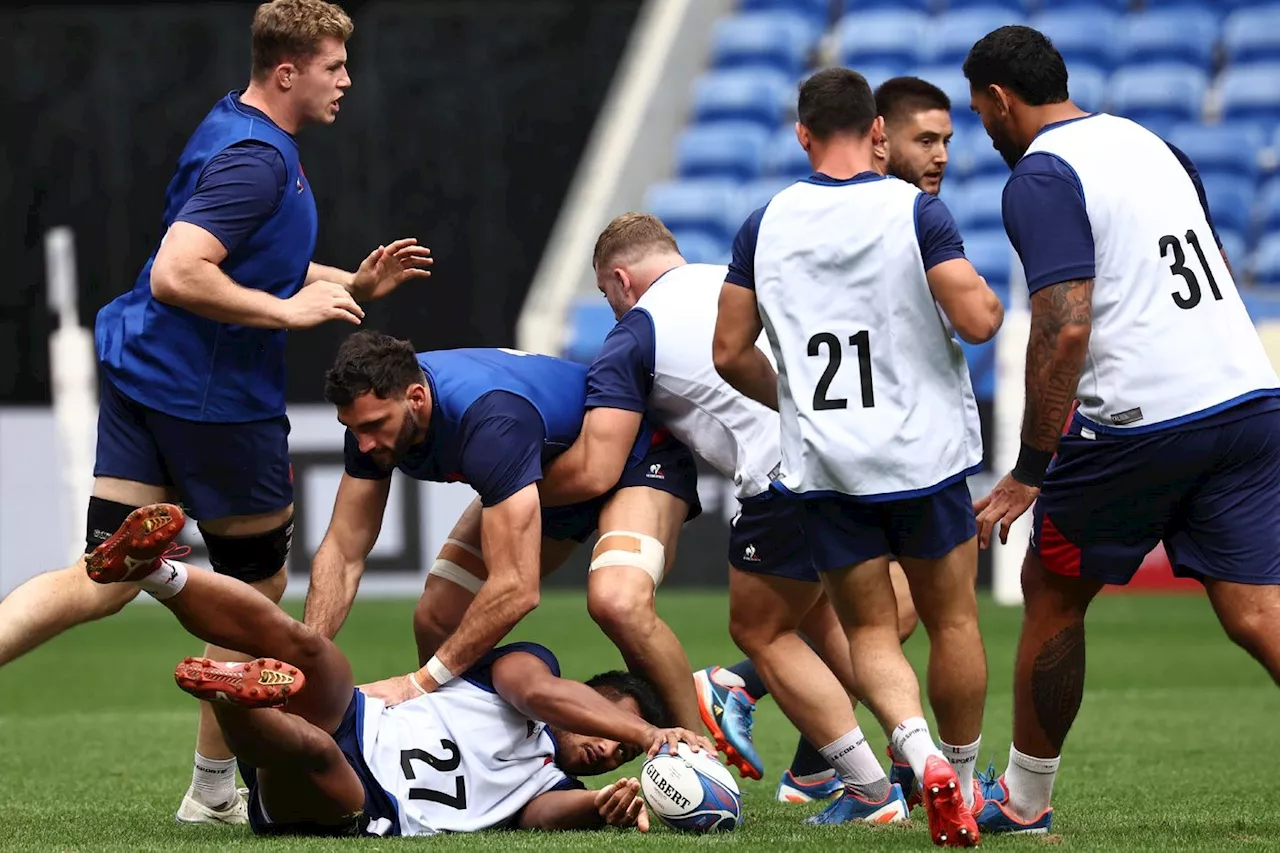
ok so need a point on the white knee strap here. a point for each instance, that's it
(450, 565)
(627, 548)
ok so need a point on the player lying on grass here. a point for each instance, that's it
(499, 746)
(492, 418)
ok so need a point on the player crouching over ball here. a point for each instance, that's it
(499, 746)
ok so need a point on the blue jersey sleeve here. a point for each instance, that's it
(359, 464)
(1194, 174)
(237, 192)
(500, 447)
(937, 232)
(742, 266)
(481, 673)
(1047, 223)
(621, 377)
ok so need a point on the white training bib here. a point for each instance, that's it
(735, 435)
(874, 394)
(1171, 337)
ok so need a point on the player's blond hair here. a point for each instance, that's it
(629, 236)
(285, 30)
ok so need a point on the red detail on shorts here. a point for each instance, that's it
(661, 435)
(1066, 427)
(1058, 555)
(291, 473)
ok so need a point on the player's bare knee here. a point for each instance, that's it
(274, 586)
(626, 569)
(908, 618)
(752, 636)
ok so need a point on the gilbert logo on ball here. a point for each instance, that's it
(691, 791)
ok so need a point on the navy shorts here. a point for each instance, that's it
(843, 531)
(767, 538)
(378, 804)
(1209, 490)
(216, 469)
(668, 467)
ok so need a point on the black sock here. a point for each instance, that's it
(746, 670)
(808, 760)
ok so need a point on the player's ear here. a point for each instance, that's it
(877, 132)
(1002, 98)
(804, 137)
(416, 394)
(285, 74)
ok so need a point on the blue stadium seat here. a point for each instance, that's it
(725, 149)
(954, 33)
(973, 156)
(1252, 35)
(990, 253)
(779, 40)
(877, 74)
(742, 94)
(697, 247)
(1266, 262)
(693, 205)
(1267, 212)
(881, 38)
(980, 204)
(1187, 34)
(1082, 36)
(924, 6)
(1088, 87)
(1117, 6)
(1252, 93)
(817, 12)
(590, 319)
(1016, 6)
(1159, 93)
(1230, 200)
(1234, 244)
(784, 156)
(751, 197)
(1220, 148)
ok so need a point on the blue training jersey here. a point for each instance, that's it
(497, 417)
(191, 367)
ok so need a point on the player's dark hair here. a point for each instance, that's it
(836, 100)
(899, 98)
(1021, 60)
(371, 361)
(615, 684)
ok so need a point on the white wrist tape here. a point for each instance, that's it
(438, 671)
(413, 679)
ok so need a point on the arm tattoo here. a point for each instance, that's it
(1054, 359)
(1057, 682)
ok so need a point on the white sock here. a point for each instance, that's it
(813, 778)
(1030, 783)
(913, 744)
(213, 781)
(853, 760)
(166, 581)
(963, 760)
(727, 678)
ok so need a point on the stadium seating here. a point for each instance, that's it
(895, 39)
(1252, 35)
(1159, 93)
(1187, 34)
(953, 34)
(1085, 37)
(724, 149)
(1252, 93)
(1205, 74)
(1266, 262)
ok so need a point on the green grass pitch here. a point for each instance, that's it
(1172, 749)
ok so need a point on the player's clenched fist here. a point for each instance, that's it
(620, 805)
(320, 302)
(672, 737)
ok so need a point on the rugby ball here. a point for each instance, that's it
(691, 791)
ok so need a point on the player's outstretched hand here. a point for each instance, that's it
(1006, 503)
(393, 691)
(620, 805)
(657, 737)
(387, 267)
(320, 302)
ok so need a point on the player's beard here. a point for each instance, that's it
(904, 171)
(404, 440)
(1008, 149)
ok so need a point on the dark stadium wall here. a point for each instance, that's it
(463, 127)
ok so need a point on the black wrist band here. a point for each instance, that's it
(1032, 464)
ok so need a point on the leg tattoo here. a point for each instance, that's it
(1057, 682)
